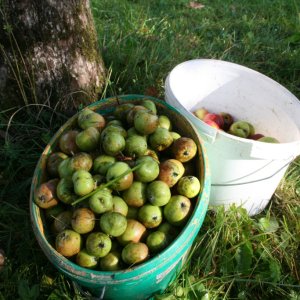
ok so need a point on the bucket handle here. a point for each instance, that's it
(257, 180)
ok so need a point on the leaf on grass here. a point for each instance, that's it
(294, 38)
(275, 270)
(58, 295)
(268, 225)
(243, 258)
(196, 5)
(27, 293)
(226, 263)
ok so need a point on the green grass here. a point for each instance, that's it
(234, 256)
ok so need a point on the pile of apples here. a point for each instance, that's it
(119, 187)
(225, 121)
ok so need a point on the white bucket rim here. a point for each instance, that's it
(212, 133)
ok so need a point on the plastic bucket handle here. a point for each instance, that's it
(256, 180)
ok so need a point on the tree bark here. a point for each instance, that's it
(49, 54)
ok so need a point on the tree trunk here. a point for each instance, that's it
(49, 54)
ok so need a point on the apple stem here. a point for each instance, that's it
(103, 186)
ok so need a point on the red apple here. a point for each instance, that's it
(218, 119)
(256, 136)
(212, 124)
(228, 120)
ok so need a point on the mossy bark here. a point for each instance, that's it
(49, 54)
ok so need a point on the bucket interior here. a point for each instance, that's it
(247, 95)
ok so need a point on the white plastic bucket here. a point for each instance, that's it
(244, 172)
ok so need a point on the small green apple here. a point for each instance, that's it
(98, 244)
(177, 210)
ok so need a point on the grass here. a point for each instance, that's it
(234, 256)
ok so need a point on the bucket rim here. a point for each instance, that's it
(89, 275)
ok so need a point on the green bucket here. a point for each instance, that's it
(154, 275)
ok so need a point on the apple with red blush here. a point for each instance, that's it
(216, 118)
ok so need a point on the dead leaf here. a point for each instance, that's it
(196, 5)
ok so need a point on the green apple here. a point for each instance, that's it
(113, 143)
(150, 215)
(101, 201)
(68, 243)
(121, 110)
(268, 139)
(157, 241)
(145, 122)
(102, 163)
(83, 182)
(131, 113)
(113, 223)
(177, 210)
(83, 220)
(113, 128)
(134, 232)
(88, 118)
(111, 261)
(158, 193)
(119, 205)
(150, 105)
(175, 135)
(161, 139)
(149, 169)
(64, 168)
(135, 146)
(132, 132)
(188, 186)
(116, 170)
(164, 122)
(135, 195)
(169, 230)
(134, 253)
(65, 191)
(86, 260)
(98, 244)
(241, 129)
(88, 139)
